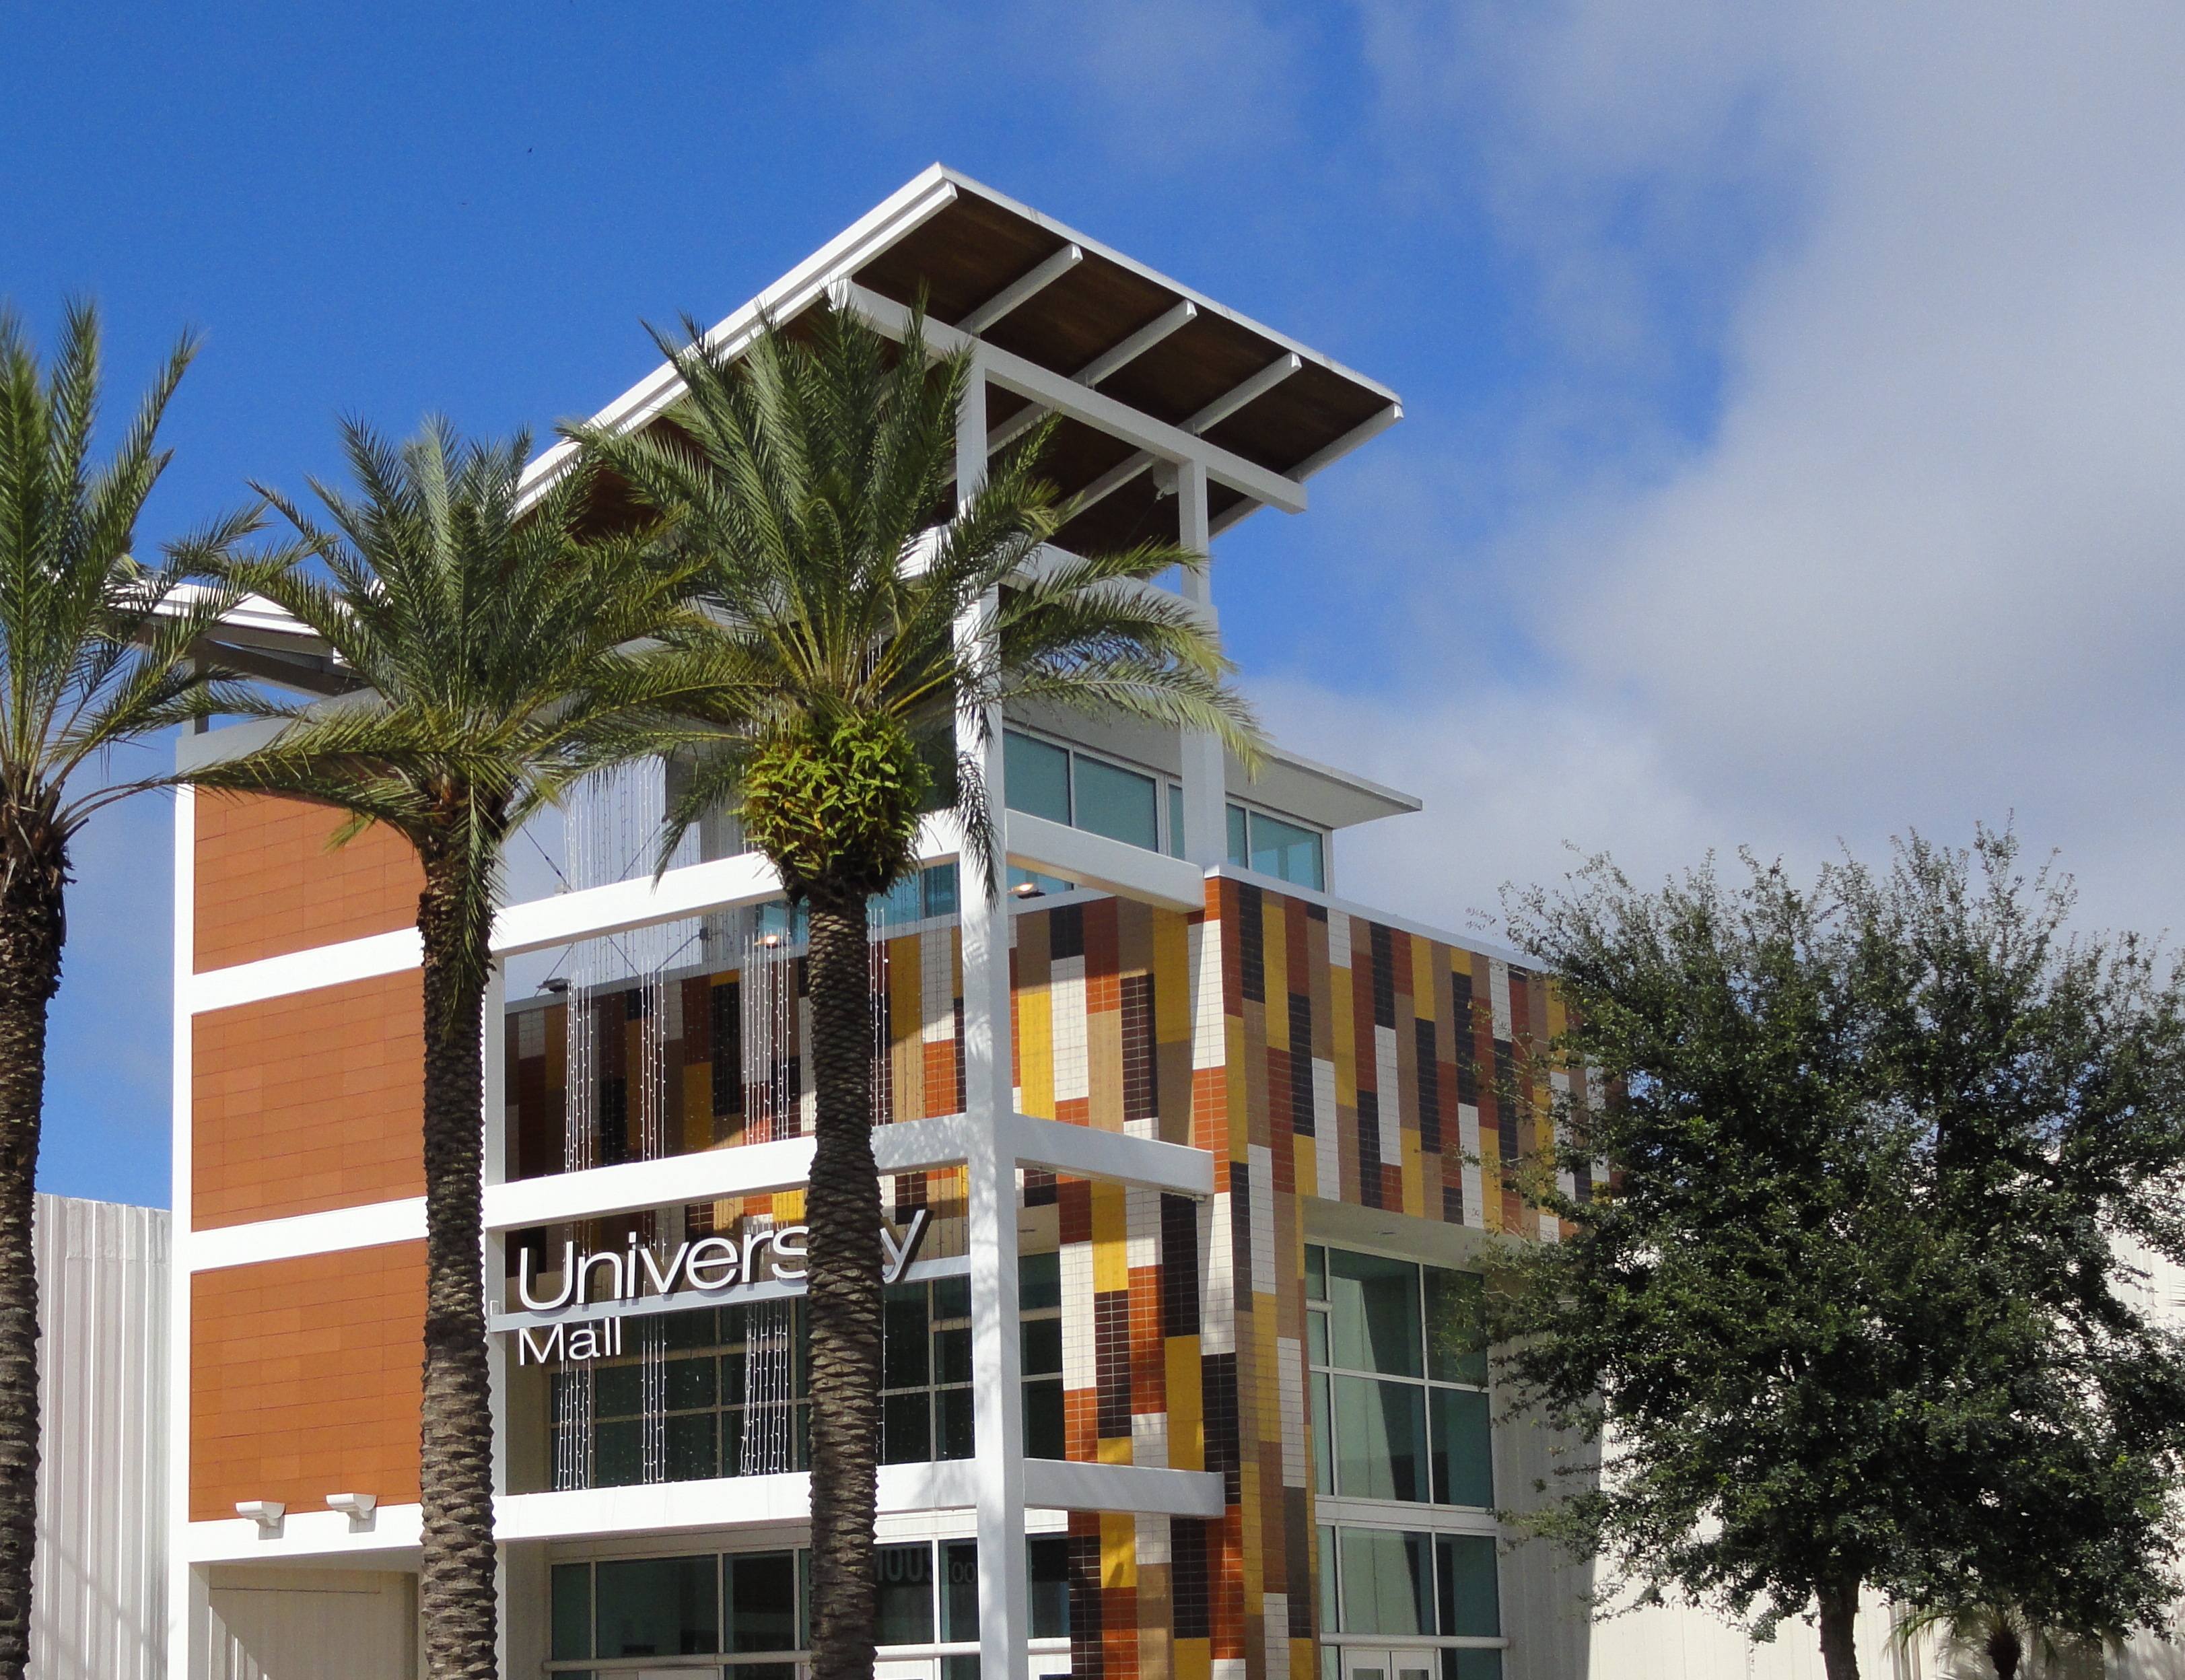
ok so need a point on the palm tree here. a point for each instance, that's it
(854, 623)
(492, 654)
(95, 653)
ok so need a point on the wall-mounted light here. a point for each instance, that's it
(265, 1513)
(557, 984)
(358, 1507)
(1028, 890)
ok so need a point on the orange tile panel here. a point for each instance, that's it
(306, 1102)
(267, 884)
(304, 1380)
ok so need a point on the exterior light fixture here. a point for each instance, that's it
(557, 984)
(265, 1513)
(770, 941)
(357, 1507)
(1028, 890)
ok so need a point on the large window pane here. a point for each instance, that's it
(1049, 1560)
(1045, 1432)
(1116, 803)
(762, 1594)
(1323, 1439)
(1036, 776)
(1039, 1281)
(1469, 1603)
(1463, 1456)
(693, 1450)
(659, 1607)
(572, 1611)
(959, 1591)
(907, 1427)
(1387, 1581)
(1240, 848)
(1380, 1439)
(1174, 820)
(903, 1612)
(1286, 851)
(1331, 1609)
(1373, 1314)
(1471, 1666)
(1456, 1326)
(955, 1434)
(902, 1337)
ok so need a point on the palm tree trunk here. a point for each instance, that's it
(455, 1578)
(842, 1209)
(1839, 1611)
(30, 933)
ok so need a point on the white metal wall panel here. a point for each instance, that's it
(98, 1603)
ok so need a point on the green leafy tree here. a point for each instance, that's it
(94, 655)
(492, 646)
(855, 621)
(1858, 1307)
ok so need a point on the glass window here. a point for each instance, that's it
(903, 1613)
(1386, 1581)
(1456, 1326)
(903, 1354)
(762, 1601)
(937, 890)
(1285, 850)
(1316, 1272)
(1373, 1314)
(1174, 820)
(1463, 1454)
(1323, 1439)
(1331, 1609)
(1470, 1665)
(1240, 850)
(1050, 1586)
(1468, 1599)
(1039, 1283)
(907, 1427)
(573, 1611)
(959, 1591)
(1116, 803)
(658, 1607)
(1036, 776)
(1045, 1432)
(1380, 1437)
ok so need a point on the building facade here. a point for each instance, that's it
(1189, 1164)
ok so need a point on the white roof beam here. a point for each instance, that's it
(1114, 479)
(1112, 360)
(1020, 290)
(1119, 419)
(1251, 390)
(1349, 441)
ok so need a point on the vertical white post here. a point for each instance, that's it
(492, 1098)
(1004, 1599)
(188, 1604)
(1205, 779)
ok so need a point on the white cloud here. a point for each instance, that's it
(1928, 564)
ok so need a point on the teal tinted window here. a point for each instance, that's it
(1174, 820)
(1323, 1436)
(1286, 851)
(1116, 803)
(1039, 1283)
(959, 1591)
(1050, 1558)
(937, 890)
(761, 1594)
(1456, 1326)
(658, 1607)
(1463, 1451)
(903, 1575)
(1469, 1602)
(1470, 1665)
(1380, 1440)
(1331, 1608)
(1037, 776)
(572, 1611)
(1316, 1272)
(1373, 1314)
(1240, 850)
(1386, 1581)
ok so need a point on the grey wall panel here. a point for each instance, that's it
(99, 1599)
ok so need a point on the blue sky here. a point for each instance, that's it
(1792, 398)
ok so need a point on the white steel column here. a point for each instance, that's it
(1004, 1598)
(188, 1604)
(1205, 798)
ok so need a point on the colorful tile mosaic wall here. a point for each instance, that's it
(1314, 1053)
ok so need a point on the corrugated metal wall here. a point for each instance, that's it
(98, 1606)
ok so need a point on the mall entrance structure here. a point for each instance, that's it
(1188, 1164)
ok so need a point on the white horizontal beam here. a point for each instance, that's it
(1114, 1157)
(1129, 871)
(1020, 292)
(1056, 391)
(1251, 390)
(1113, 480)
(1363, 433)
(336, 964)
(333, 1232)
(709, 1175)
(1123, 355)
(394, 1532)
(1052, 1484)
(696, 889)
